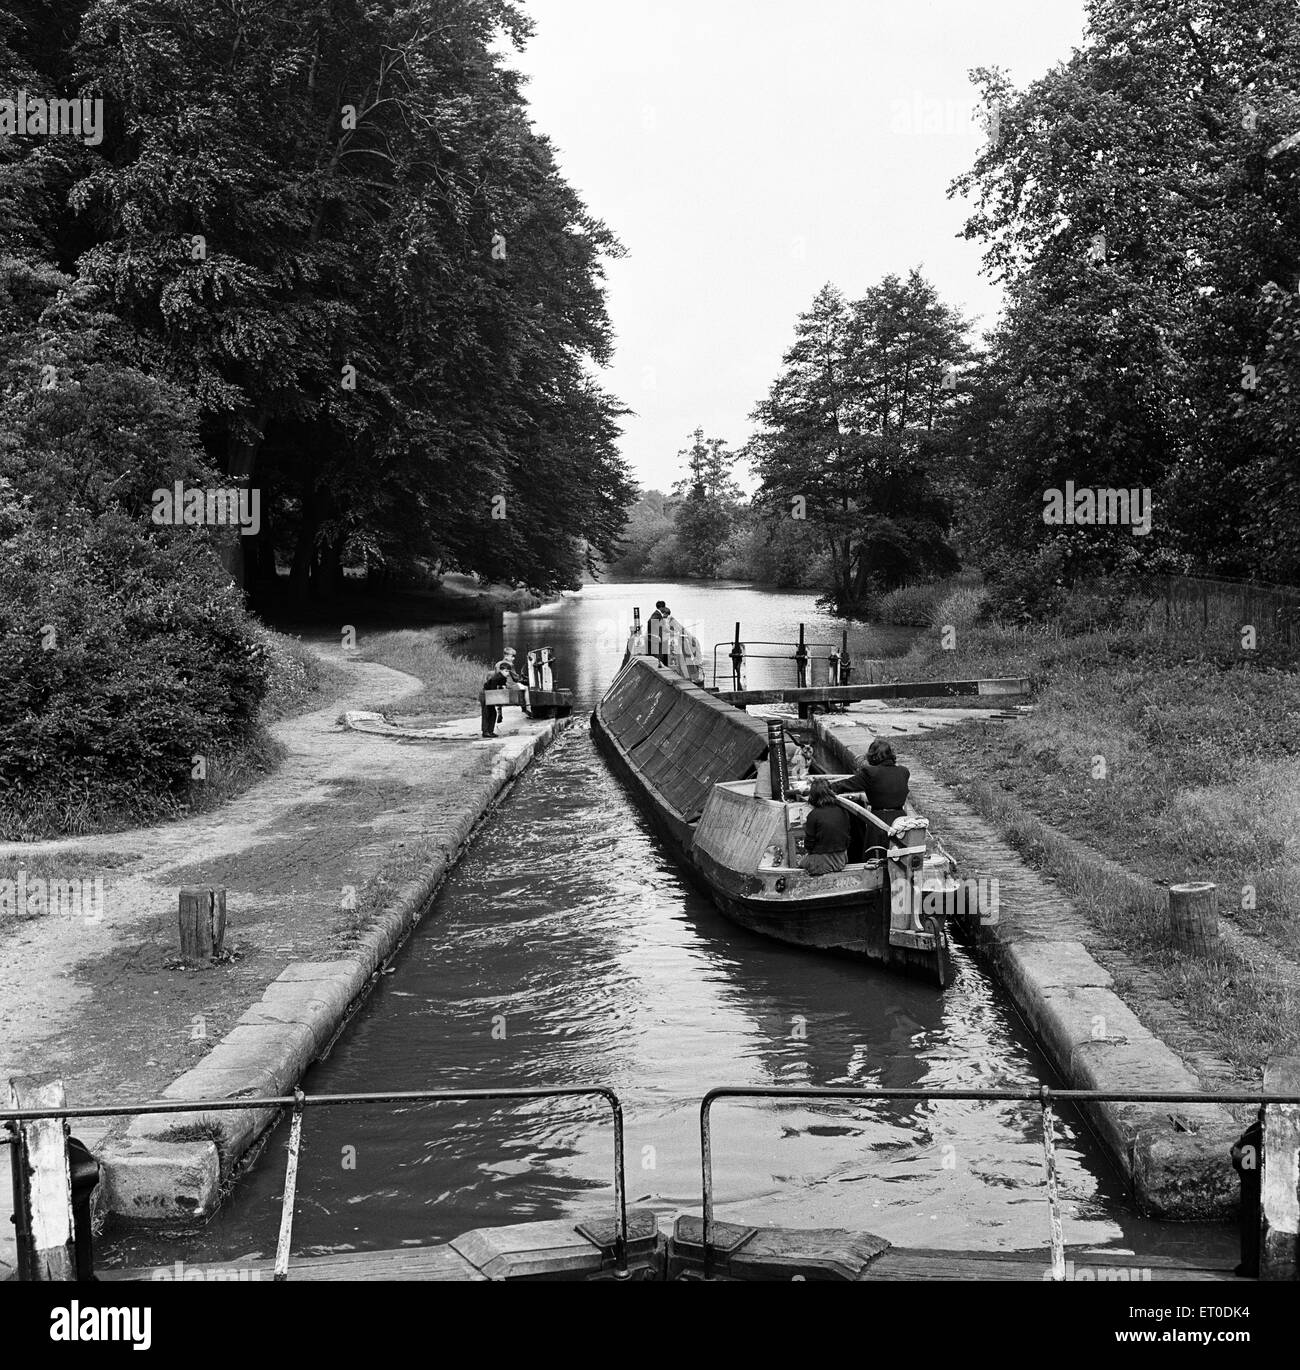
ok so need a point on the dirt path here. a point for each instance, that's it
(101, 1001)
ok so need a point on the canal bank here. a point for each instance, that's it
(327, 865)
(1033, 939)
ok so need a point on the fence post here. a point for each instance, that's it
(1280, 1180)
(43, 1213)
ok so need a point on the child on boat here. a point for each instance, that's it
(798, 760)
(826, 832)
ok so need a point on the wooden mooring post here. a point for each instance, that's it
(202, 922)
(43, 1216)
(1194, 918)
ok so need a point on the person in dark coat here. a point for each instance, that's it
(885, 783)
(825, 833)
(503, 674)
(496, 681)
(657, 632)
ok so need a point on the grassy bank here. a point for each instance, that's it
(1175, 756)
(451, 681)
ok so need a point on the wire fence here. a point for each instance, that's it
(1213, 603)
(1251, 614)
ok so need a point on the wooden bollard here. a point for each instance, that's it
(1194, 918)
(202, 922)
(1279, 1182)
(42, 1185)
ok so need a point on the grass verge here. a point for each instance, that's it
(451, 682)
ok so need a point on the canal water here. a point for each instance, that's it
(588, 632)
(567, 950)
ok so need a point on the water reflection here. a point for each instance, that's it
(588, 630)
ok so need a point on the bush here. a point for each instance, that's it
(910, 606)
(954, 600)
(122, 656)
(298, 678)
(960, 609)
(1028, 589)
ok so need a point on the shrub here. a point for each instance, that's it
(298, 678)
(910, 606)
(1029, 588)
(518, 601)
(960, 609)
(122, 656)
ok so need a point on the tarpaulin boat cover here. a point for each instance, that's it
(678, 736)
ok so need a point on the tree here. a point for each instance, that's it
(648, 546)
(855, 427)
(1140, 203)
(709, 501)
(335, 230)
(772, 550)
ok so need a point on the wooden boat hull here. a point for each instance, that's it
(839, 916)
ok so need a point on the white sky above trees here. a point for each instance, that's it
(748, 151)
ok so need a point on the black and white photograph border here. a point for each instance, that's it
(650, 641)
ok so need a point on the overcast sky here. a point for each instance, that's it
(748, 151)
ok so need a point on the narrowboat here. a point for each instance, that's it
(712, 779)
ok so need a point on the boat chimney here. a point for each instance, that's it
(778, 767)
